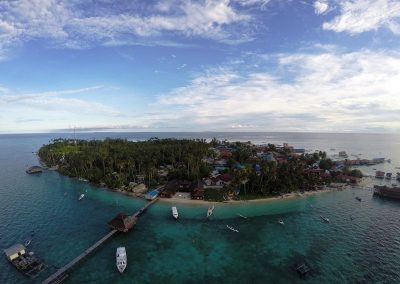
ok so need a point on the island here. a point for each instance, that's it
(212, 171)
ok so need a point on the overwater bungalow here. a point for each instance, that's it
(379, 174)
(24, 261)
(122, 222)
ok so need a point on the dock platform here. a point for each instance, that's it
(61, 274)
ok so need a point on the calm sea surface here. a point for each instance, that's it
(361, 244)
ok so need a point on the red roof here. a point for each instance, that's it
(225, 177)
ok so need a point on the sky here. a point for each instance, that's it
(200, 65)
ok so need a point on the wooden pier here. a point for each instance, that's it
(61, 274)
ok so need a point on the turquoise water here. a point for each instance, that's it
(361, 244)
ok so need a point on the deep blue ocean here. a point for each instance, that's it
(361, 244)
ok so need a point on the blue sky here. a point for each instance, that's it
(228, 65)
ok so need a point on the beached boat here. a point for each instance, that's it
(175, 212)
(81, 196)
(326, 220)
(210, 211)
(281, 222)
(388, 175)
(24, 261)
(121, 259)
(232, 229)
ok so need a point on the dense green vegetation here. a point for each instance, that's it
(116, 162)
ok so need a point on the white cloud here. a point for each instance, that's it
(359, 16)
(314, 92)
(320, 7)
(56, 101)
(71, 24)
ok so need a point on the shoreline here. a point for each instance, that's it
(287, 196)
(338, 187)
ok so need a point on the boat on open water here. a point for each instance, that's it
(210, 211)
(175, 212)
(81, 196)
(232, 229)
(325, 219)
(121, 259)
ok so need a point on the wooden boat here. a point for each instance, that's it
(326, 220)
(121, 259)
(24, 260)
(175, 212)
(210, 211)
(81, 196)
(232, 229)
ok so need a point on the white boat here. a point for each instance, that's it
(281, 222)
(232, 229)
(81, 196)
(240, 215)
(27, 243)
(175, 212)
(121, 259)
(326, 220)
(210, 211)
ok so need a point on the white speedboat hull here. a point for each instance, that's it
(121, 259)
(175, 212)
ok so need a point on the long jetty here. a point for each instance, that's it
(61, 274)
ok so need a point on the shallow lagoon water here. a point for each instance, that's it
(361, 244)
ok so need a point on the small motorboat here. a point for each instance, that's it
(27, 242)
(175, 212)
(121, 259)
(240, 215)
(281, 222)
(210, 211)
(81, 196)
(358, 198)
(232, 229)
(326, 220)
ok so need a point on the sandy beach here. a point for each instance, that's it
(268, 199)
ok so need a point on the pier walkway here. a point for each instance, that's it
(61, 274)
